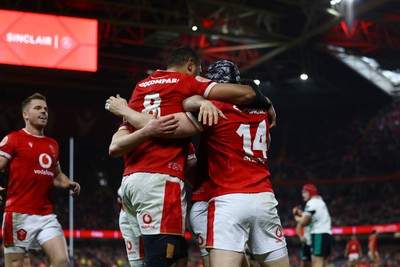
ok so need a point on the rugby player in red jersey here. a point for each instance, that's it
(353, 251)
(373, 253)
(242, 209)
(32, 160)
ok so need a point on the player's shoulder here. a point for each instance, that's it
(201, 79)
(164, 74)
(312, 202)
(17, 133)
(51, 140)
(159, 77)
(251, 114)
(317, 199)
(186, 77)
(321, 201)
(14, 135)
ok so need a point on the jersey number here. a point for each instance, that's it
(259, 142)
(152, 102)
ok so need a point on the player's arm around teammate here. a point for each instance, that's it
(119, 107)
(124, 141)
(185, 126)
(203, 106)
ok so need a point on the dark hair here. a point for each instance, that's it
(181, 55)
(32, 97)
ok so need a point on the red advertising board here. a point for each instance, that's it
(48, 41)
(339, 230)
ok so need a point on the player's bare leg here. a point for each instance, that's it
(14, 259)
(282, 262)
(245, 261)
(318, 261)
(206, 260)
(376, 262)
(352, 263)
(224, 258)
(27, 259)
(56, 251)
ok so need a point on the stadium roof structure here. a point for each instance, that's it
(273, 41)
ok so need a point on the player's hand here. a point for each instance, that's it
(116, 105)
(272, 116)
(75, 188)
(209, 113)
(297, 211)
(159, 126)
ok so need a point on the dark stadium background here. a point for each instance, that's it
(337, 129)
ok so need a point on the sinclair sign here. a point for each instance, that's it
(48, 41)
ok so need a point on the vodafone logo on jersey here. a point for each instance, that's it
(48, 41)
(45, 160)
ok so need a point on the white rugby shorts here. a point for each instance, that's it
(353, 256)
(198, 223)
(134, 246)
(235, 218)
(23, 231)
(154, 203)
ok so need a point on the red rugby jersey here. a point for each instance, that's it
(237, 151)
(165, 91)
(353, 246)
(31, 172)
